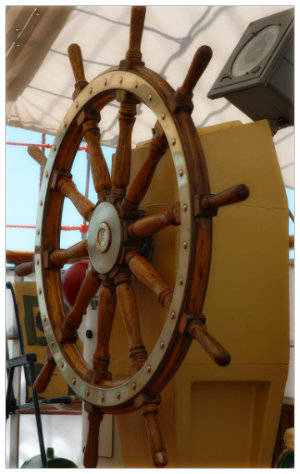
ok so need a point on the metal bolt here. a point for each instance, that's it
(185, 245)
(40, 291)
(118, 395)
(173, 315)
(87, 393)
(136, 85)
(162, 344)
(52, 344)
(37, 262)
(73, 381)
(173, 141)
(150, 97)
(180, 173)
(77, 105)
(54, 147)
(38, 231)
(149, 369)
(105, 82)
(89, 334)
(62, 365)
(47, 174)
(45, 319)
(133, 386)
(185, 208)
(163, 116)
(121, 80)
(90, 90)
(102, 398)
(41, 202)
(180, 281)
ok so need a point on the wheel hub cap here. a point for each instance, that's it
(104, 237)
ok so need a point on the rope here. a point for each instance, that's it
(44, 145)
(83, 228)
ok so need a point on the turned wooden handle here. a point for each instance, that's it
(90, 459)
(16, 256)
(75, 57)
(136, 31)
(75, 252)
(158, 451)
(200, 61)
(141, 182)
(45, 375)
(149, 225)
(25, 268)
(198, 331)
(229, 196)
(37, 154)
(146, 273)
(69, 189)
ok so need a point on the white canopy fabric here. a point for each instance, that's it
(39, 99)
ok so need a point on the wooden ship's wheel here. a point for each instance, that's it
(117, 231)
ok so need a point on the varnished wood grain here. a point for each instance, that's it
(36, 153)
(19, 256)
(140, 184)
(88, 289)
(145, 273)
(149, 225)
(106, 311)
(100, 173)
(122, 158)
(198, 331)
(134, 55)
(129, 309)
(25, 268)
(42, 381)
(69, 189)
(90, 459)
(75, 252)
(210, 203)
(75, 57)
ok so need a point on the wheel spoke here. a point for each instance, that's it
(122, 158)
(89, 120)
(151, 224)
(134, 55)
(68, 330)
(129, 309)
(69, 189)
(139, 186)
(95, 417)
(43, 379)
(76, 252)
(106, 311)
(144, 271)
(75, 57)
(35, 153)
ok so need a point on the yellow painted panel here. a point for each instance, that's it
(215, 416)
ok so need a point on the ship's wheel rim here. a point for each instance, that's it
(111, 397)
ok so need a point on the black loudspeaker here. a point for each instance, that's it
(258, 78)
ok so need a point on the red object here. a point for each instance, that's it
(82, 227)
(72, 281)
(43, 145)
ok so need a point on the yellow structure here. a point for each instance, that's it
(211, 416)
